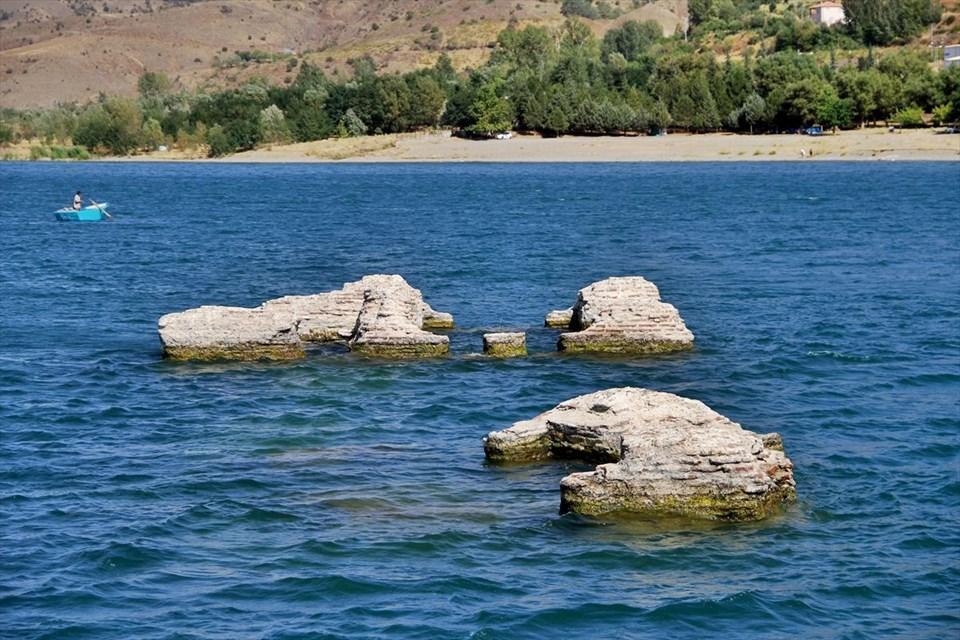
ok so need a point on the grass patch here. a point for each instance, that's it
(54, 152)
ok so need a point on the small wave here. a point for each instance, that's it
(842, 357)
(930, 379)
(123, 556)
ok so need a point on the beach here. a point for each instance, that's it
(865, 144)
(442, 146)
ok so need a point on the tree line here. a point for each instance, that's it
(562, 81)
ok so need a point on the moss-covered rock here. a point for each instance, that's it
(433, 350)
(621, 315)
(250, 352)
(389, 326)
(505, 345)
(228, 333)
(657, 453)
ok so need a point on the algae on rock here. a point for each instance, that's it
(505, 344)
(658, 453)
(621, 315)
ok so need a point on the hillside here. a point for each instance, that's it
(70, 50)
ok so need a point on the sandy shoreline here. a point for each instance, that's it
(867, 144)
(870, 144)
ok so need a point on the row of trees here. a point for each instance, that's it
(868, 22)
(634, 80)
(552, 81)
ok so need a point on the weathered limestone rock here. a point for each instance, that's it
(326, 317)
(435, 319)
(505, 345)
(228, 333)
(622, 315)
(559, 319)
(322, 317)
(388, 323)
(660, 454)
(389, 326)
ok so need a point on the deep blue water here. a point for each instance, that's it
(345, 498)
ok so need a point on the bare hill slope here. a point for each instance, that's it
(69, 50)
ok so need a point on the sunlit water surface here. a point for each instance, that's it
(342, 498)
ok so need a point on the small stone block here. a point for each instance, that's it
(505, 345)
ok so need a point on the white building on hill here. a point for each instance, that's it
(827, 14)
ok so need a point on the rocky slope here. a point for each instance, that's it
(70, 50)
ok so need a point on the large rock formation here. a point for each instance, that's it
(228, 333)
(661, 454)
(621, 315)
(378, 314)
(332, 316)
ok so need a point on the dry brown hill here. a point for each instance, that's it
(69, 50)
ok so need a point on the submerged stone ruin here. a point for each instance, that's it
(621, 315)
(505, 344)
(658, 454)
(379, 315)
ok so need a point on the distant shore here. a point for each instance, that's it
(860, 144)
(868, 144)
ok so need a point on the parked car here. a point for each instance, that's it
(504, 135)
(814, 130)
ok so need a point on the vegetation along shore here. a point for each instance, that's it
(552, 81)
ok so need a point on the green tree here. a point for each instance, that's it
(800, 102)
(835, 112)
(351, 126)
(113, 126)
(859, 88)
(427, 99)
(631, 39)
(273, 125)
(699, 11)
(753, 111)
(6, 133)
(218, 144)
(531, 48)
(490, 114)
(948, 91)
(152, 134)
(882, 22)
(555, 123)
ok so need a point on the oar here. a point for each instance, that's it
(102, 210)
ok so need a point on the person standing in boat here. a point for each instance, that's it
(78, 201)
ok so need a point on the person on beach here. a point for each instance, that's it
(78, 201)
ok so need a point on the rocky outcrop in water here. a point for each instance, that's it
(621, 315)
(332, 316)
(559, 319)
(505, 345)
(389, 326)
(228, 333)
(378, 314)
(659, 454)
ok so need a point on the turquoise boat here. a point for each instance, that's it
(92, 213)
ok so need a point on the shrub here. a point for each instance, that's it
(217, 142)
(909, 118)
(941, 114)
(6, 133)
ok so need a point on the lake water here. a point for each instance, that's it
(343, 498)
